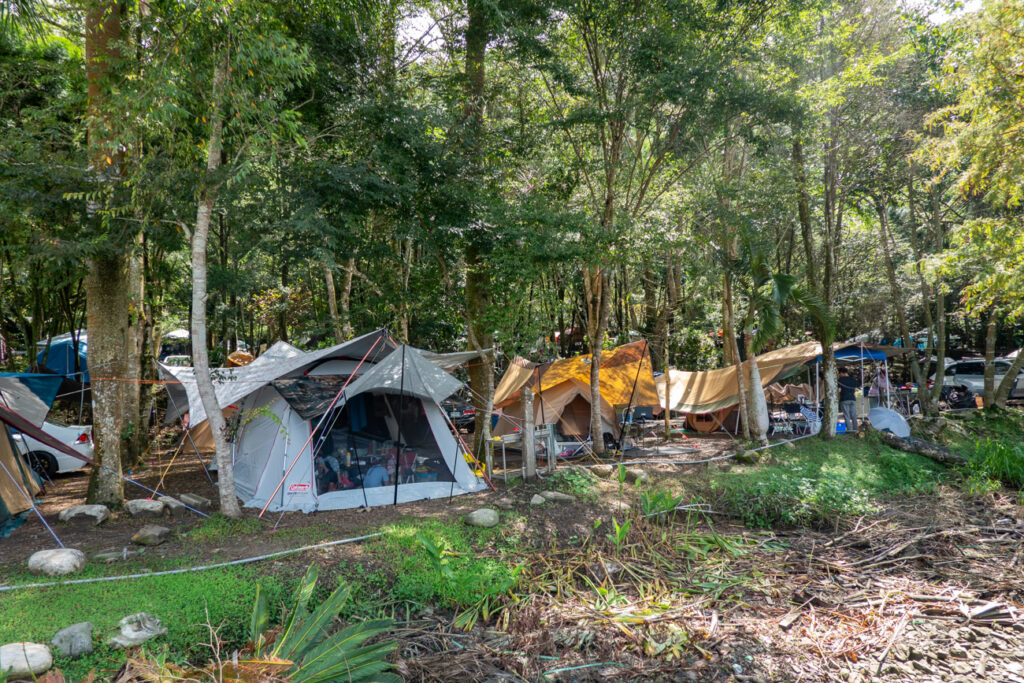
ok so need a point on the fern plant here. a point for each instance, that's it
(316, 654)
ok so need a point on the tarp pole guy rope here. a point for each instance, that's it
(185, 570)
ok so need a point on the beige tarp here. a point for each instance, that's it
(562, 394)
(17, 486)
(711, 390)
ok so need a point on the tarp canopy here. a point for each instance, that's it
(405, 371)
(711, 390)
(451, 361)
(234, 384)
(562, 389)
(29, 395)
(60, 358)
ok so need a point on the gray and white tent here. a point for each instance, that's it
(292, 419)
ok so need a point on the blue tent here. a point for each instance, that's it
(61, 358)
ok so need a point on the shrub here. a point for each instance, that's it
(995, 461)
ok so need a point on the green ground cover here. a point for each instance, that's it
(815, 483)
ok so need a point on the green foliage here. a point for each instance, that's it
(218, 527)
(992, 463)
(659, 504)
(575, 481)
(306, 638)
(819, 483)
(619, 533)
(183, 602)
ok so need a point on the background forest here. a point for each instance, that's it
(545, 178)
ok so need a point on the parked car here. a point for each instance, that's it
(462, 415)
(47, 461)
(970, 373)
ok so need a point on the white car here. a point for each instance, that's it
(970, 373)
(47, 461)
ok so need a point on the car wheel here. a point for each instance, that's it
(43, 464)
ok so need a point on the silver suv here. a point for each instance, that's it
(971, 374)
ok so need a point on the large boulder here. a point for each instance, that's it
(484, 517)
(603, 471)
(151, 534)
(196, 502)
(96, 514)
(24, 660)
(73, 641)
(56, 562)
(137, 629)
(143, 507)
(173, 507)
(557, 497)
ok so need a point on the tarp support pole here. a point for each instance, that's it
(31, 502)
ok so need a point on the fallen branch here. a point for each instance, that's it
(921, 447)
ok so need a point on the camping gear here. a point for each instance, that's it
(363, 403)
(885, 420)
(562, 390)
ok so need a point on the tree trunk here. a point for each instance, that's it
(921, 447)
(1007, 383)
(595, 286)
(346, 299)
(988, 394)
(757, 404)
(897, 297)
(200, 354)
(106, 291)
(733, 344)
(332, 303)
(106, 283)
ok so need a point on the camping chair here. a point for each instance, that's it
(812, 418)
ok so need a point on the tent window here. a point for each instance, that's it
(363, 447)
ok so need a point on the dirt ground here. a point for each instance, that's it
(930, 590)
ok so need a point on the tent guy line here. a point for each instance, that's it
(186, 570)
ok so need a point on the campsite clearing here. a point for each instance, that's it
(880, 593)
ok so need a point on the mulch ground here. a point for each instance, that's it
(930, 590)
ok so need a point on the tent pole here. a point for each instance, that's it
(401, 419)
(188, 435)
(31, 502)
(319, 424)
(885, 365)
(817, 385)
(629, 405)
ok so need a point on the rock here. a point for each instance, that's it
(151, 534)
(97, 514)
(484, 517)
(504, 503)
(24, 660)
(605, 568)
(557, 497)
(137, 629)
(116, 555)
(603, 471)
(746, 457)
(143, 507)
(537, 500)
(73, 641)
(620, 506)
(56, 562)
(196, 502)
(634, 475)
(173, 507)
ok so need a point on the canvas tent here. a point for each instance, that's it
(24, 403)
(292, 417)
(562, 390)
(714, 390)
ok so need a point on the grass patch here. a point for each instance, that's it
(992, 464)
(396, 571)
(817, 483)
(180, 601)
(219, 527)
